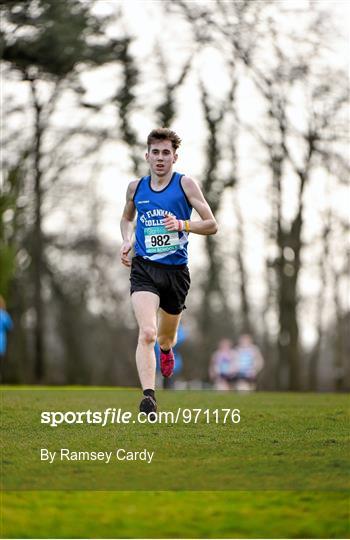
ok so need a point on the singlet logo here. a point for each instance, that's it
(147, 221)
(143, 202)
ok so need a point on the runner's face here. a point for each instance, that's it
(161, 157)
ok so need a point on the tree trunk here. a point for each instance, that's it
(288, 343)
(245, 322)
(38, 243)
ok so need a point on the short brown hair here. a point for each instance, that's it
(164, 134)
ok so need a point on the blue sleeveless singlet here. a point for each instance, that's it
(153, 241)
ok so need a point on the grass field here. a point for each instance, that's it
(281, 472)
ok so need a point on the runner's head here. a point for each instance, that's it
(163, 134)
(162, 144)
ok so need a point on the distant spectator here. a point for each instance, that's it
(248, 363)
(6, 325)
(222, 365)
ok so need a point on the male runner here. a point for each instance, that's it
(159, 276)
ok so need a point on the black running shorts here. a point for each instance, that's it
(170, 282)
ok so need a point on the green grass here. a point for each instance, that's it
(281, 472)
(175, 515)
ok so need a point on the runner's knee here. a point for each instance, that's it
(148, 335)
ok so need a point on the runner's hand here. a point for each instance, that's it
(124, 253)
(171, 223)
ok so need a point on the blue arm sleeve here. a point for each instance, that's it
(6, 321)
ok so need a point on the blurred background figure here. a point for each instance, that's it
(169, 382)
(222, 365)
(6, 325)
(248, 363)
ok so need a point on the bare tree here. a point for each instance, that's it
(282, 62)
(166, 110)
(49, 62)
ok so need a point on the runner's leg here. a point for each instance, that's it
(145, 305)
(167, 329)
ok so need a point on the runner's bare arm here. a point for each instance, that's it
(207, 225)
(127, 223)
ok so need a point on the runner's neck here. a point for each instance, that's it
(160, 182)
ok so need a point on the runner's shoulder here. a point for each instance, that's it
(132, 187)
(188, 180)
(189, 184)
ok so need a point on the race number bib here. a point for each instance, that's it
(158, 239)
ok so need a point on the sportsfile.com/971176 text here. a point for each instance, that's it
(113, 415)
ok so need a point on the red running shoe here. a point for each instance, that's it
(167, 362)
